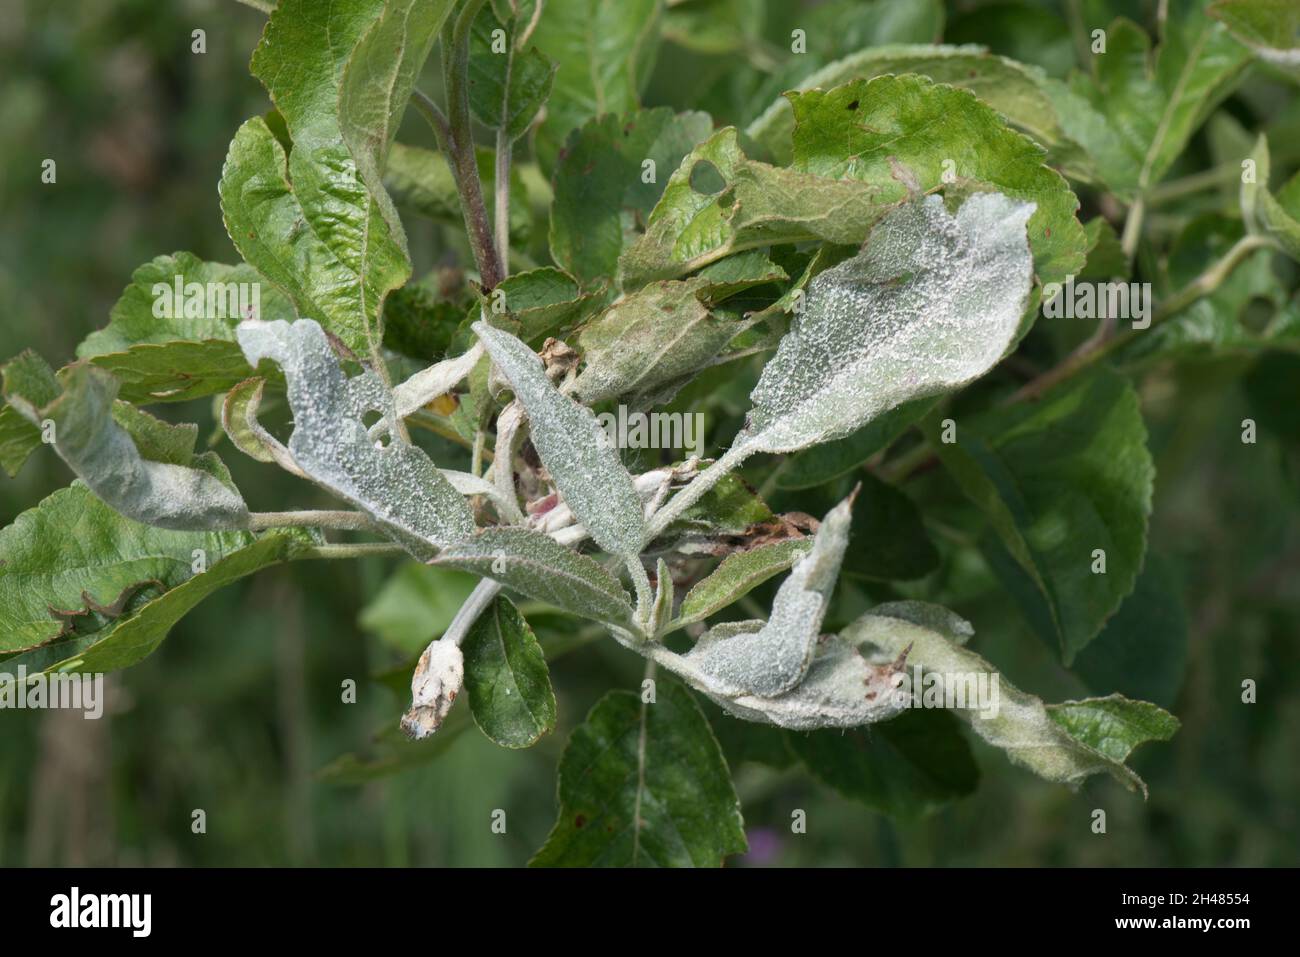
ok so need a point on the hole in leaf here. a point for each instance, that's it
(706, 179)
(376, 428)
(853, 106)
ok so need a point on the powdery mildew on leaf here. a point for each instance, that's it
(776, 658)
(573, 447)
(930, 304)
(536, 565)
(1059, 749)
(105, 457)
(394, 481)
(842, 689)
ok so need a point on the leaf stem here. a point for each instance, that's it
(1206, 179)
(348, 550)
(482, 595)
(501, 200)
(645, 597)
(1133, 228)
(351, 521)
(696, 490)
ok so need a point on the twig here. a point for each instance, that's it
(455, 139)
(1201, 286)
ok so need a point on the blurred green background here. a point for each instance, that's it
(240, 712)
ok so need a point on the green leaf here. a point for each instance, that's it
(171, 334)
(72, 555)
(1216, 324)
(1275, 216)
(505, 674)
(740, 272)
(660, 334)
(176, 371)
(373, 93)
(544, 301)
(905, 767)
(1142, 650)
(644, 785)
(154, 439)
(395, 482)
(1269, 27)
(1064, 743)
(269, 226)
(1057, 480)
(1155, 104)
(89, 439)
(931, 303)
(419, 325)
(828, 461)
(714, 26)
(889, 540)
(731, 507)
(738, 575)
(856, 24)
(416, 605)
(604, 50)
(774, 659)
(601, 193)
(1114, 725)
(748, 204)
(574, 448)
(29, 375)
(539, 567)
(866, 129)
(507, 86)
(1106, 259)
(239, 420)
(140, 635)
(340, 77)
(183, 298)
(1018, 92)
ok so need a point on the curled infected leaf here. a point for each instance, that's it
(239, 420)
(393, 480)
(1064, 743)
(102, 453)
(773, 660)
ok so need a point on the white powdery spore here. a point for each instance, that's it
(394, 481)
(931, 302)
